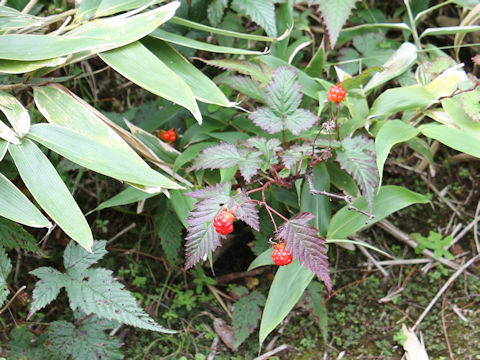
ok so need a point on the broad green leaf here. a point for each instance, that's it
(244, 85)
(14, 205)
(169, 230)
(16, 114)
(446, 83)
(287, 287)
(86, 9)
(261, 12)
(396, 64)
(456, 110)
(334, 14)
(5, 267)
(393, 132)
(101, 157)
(18, 67)
(189, 154)
(76, 259)
(457, 139)
(182, 205)
(318, 205)
(78, 120)
(127, 196)
(109, 7)
(202, 87)
(388, 200)
(401, 99)
(8, 134)
(50, 192)
(246, 314)
(199, 45)
(12, 19)
(215, 11)
(141, 66)
(341, 180)
(470, 102)
(263, 259)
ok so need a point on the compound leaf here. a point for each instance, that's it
(265, 119)
(261, 12)
(300, 120)
(84, 341)
(284, 92)
(358, 158)
(245, 210)
(246, 315)
(306, 245)
(77, 259)
(217, 157)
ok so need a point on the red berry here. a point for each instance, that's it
(336, 93)
(223, 222)
(169, 135)
(281, 256)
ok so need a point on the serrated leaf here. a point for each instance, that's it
(300, 120)
(84, 341)
(246, 316)
(265, 119)
(5, 267)
(12, 235)
(317, 306)
(269, 148)
(261, 12)
(284, 92)
(245, 210)
(262, 73)
(217, 157)
(250, 163)
(77, 259)
(217, 191)
(23, 345)
(169, 230)
(334, 14)
(47, 288)
(357, 157)
(306, 245)
(215, 11)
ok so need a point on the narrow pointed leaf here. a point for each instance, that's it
(14, 205)
(141, 66)
(50, 192)
(5, 267)
(464, 141)
(19, 67)
(8, 134)
(16, 114)
(109, 7)
(401, 99)
(202, 87)
(261, 12)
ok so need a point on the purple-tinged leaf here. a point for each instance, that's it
(303, 241)
(358, 158)
(245, 210)
(294, 154)
(211, 191)
(221, 156)
(300, 120)
(269, 148)
(284, 92)
(265, 119)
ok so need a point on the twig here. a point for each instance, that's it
(227, 278)
(273, 352)
(467, 228)
(121, 232)
(13, 298)
(440, 195)
(401, 236)
(29, 6)
(403, 262)
(445, 326)
(213, 348)
(442, 290)
(372, 259)
(346, 198)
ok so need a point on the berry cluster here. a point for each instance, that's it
(169, 135)
(223, 222)
(336, 93)
(281, 256)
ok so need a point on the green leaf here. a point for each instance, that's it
(215, 11)
(287, 288)
(85, 340)
(318, 205)
(470, 102)
(448, 30)
(23, 345)
(169, 230)
(48, 189)
(109, 7)
(5, 267)
(128, 196)
(86, 9)
(262, 74)
(244, 85)
(18, 67)
(202, 87)
(393, 132)
(8, 134)
(260, 11)
(189, 154)
(103, 157)
(401, 99)
(81, 136)
(16, 114)
(199, 45)
(455, 138)
(334, 14)
(341, 180)
(316, 304)
(357, 157)
(246, 314)
(159, 79)
(14, 205)
(388, 200)
(14, 236)
(263, 259)
(182, 205)
(76, 259)
(47, 289)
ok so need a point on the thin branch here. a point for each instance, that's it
(442, 290)
(347, 198)
(13, 298)
(269, 354)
